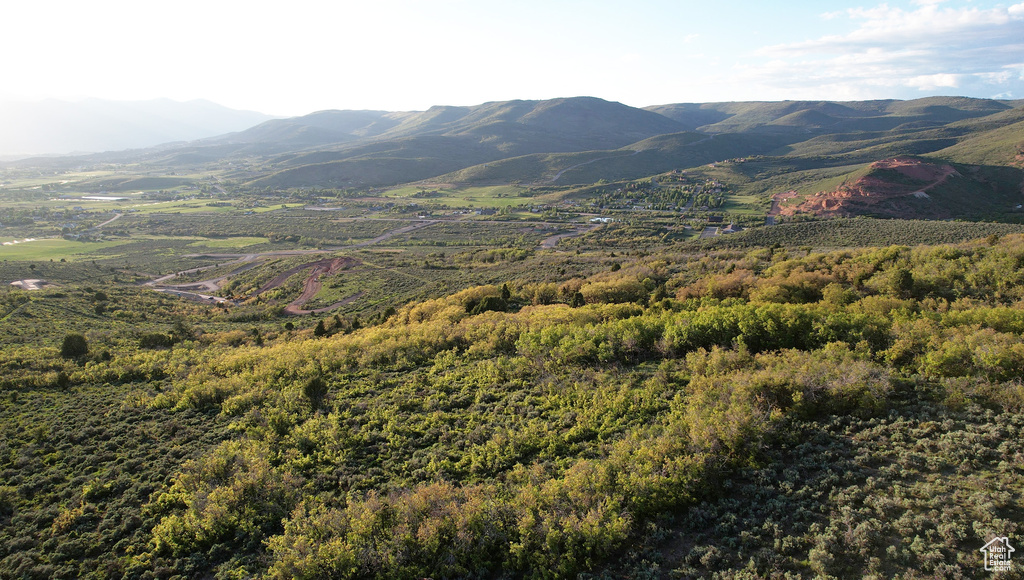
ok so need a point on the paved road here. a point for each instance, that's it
(709, 232)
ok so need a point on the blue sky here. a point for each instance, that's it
(296, 57)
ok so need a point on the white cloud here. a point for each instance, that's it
(884, 26)
(932, 82)
(936, 45)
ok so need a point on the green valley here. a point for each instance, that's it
(524, 339)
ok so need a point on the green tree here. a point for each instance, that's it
(902, 282)
(74, 346)
(182, 330)
(577, 300)
(489, 303)
(315, 390)
(156, 340)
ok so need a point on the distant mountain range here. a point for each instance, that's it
(53, 127)
(807, 147)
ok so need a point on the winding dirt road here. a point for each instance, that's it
(312, 285)
(116, 217)
(550, 243)
(324, 267)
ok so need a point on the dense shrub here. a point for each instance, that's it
(156, 340)
(74, 345)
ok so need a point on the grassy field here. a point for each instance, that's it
(28, 179)
(230, 243)
(55, 249)
(745, 204)
(139, 204)
(176, 206)
(496, 196)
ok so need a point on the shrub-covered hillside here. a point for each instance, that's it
(746, 413)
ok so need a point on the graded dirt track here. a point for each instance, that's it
(551, 242)
(325, 267)
(312, 285)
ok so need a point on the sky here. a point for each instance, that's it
(296, 57)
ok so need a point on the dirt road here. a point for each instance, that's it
(551, 242)
(116, 217)
(312, 285)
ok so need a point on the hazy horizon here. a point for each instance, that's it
(406, 55)
(208, 101)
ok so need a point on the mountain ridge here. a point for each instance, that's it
(584, 140)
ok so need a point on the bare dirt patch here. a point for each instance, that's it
(780, 198)
(902, 194)
(32, 284)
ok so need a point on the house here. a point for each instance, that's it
(715, 219)
(732, 229)
(997, 554)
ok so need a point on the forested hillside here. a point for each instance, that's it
(686, 412)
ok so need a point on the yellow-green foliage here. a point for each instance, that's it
(542, 440)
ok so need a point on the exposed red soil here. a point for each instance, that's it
(874, 195)
(778, 199)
